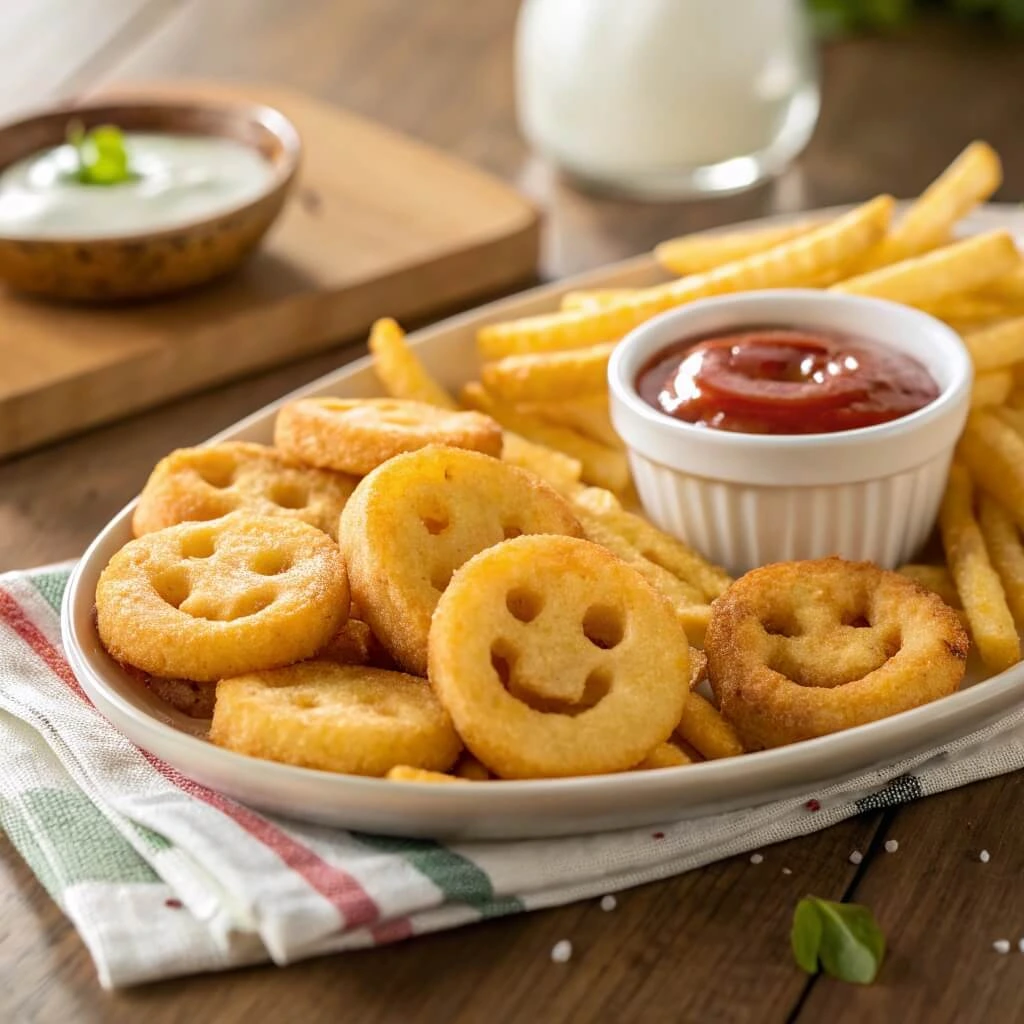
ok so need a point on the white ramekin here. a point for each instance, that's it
(744, 500)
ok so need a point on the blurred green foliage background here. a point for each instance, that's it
(837, 16)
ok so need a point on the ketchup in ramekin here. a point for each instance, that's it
(769, 380)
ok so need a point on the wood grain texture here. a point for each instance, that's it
(711, 945)
(378, 224)
(941, 909)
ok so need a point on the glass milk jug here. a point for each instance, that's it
(666, 98)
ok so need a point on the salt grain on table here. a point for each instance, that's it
(856, 857)
(608, 903)
(756, 858)
(891, 846)
(1001, 945)
(984, 857)
(561, 951)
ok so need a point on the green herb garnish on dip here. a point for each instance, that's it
(107, 182)
(842, 939)
(102, 156)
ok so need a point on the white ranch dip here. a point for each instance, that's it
(178, 178)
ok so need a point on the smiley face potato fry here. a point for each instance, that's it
(202, 601)
(804, 649)
(554, 658)
(338, 718)
(209, 482)
(355, 436)
(416, 519)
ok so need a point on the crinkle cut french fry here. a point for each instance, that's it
(994, 453)
(1003, 541)
(965, 326)
(935, 578)
(975, 306)
(589, 415)
(998, 347)
(924, 280)
(970, 179)
(796, 262)
(696, 253)
(977, 583)
(679, 592)
(595, 298)
(655, 545)
(703, 727)
(556, 468)
(548, 376)
(401, 373)
(603, 466)
(992, 388)
(1009, 287)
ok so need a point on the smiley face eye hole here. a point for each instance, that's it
(271, 563)
(173, 586)
(524, 604)
(435, 524)
(774, 627)
(198, 544)
(289, 495)
(604, 626)
(218, 472)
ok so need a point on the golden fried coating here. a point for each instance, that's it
(803, 649)
(555, 658)
(413, 521)
(357, 436)
(207, 483)
(201, 601)
(338, 718)
(703, 728)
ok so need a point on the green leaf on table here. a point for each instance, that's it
(806, 935)
(102, 157)
(843, 938)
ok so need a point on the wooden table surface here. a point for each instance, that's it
(710, 945)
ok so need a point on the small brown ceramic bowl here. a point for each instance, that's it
(149, 263)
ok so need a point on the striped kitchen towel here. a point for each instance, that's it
(162, 877)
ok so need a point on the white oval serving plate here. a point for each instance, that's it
(501, 809)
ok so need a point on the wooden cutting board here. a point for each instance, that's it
(378, 225)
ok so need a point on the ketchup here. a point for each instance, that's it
(780, 381)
